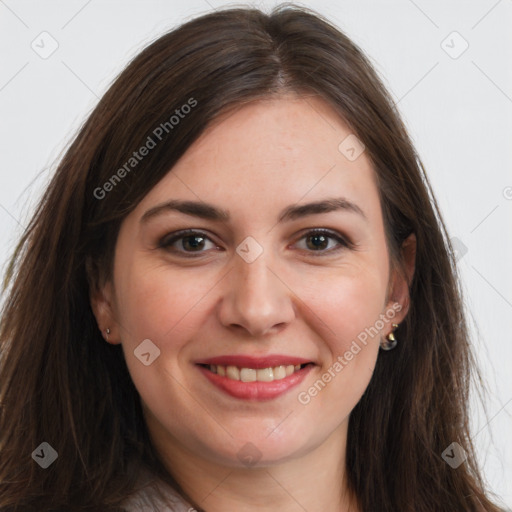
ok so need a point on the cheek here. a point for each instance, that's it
(154, 301)
(352, 315)
(166, 307)
(347, 300)
(347, 311)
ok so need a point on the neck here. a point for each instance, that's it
(315, 480)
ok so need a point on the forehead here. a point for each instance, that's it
(268, 154)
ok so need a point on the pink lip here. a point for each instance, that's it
(257, 391)
(269, 361)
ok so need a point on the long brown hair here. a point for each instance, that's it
(60, 382)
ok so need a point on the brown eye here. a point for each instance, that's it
(317, 241)
(322, 242)
(187, 242)
(194, 242)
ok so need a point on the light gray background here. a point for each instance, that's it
(458, 111)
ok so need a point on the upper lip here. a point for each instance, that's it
(245, 361)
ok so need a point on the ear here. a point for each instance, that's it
(401, 278)
(101, 296)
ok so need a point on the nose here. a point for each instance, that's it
(255, 298)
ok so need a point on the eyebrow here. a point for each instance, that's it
(207, 211)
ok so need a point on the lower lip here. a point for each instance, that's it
(256, 390)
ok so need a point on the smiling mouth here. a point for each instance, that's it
(242, 374)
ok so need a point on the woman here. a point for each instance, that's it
(238, 294)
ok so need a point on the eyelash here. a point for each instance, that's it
(168, 240)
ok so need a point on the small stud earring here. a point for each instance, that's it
(107, 332)
(390, 342)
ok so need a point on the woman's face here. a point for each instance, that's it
(283, 262)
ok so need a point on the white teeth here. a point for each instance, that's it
(254, 375)
(280, 372)
(232, 372)
(265, 375)
(248, 375)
